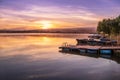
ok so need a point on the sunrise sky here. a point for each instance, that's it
(48, 14)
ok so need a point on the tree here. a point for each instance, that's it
(109, 26)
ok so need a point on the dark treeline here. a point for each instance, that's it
(73, 30)
(109, 26)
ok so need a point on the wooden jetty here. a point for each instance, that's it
(107, 50)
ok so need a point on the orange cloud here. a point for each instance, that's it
(60, 17)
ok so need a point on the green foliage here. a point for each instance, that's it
(109, 26)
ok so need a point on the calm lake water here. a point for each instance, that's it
(37, 57)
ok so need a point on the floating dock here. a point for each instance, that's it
(107, 50)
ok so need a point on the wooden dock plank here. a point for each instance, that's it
(92, 47)
(88, 47)
(111, 47)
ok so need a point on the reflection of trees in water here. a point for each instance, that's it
(110, 57)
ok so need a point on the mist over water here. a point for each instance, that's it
(37, 57)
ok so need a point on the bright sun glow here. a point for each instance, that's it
(46, 24)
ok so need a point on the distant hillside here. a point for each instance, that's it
(67, 30)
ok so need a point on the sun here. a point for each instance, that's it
(46, 24)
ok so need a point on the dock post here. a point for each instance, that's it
(98, 52)
(112, 52)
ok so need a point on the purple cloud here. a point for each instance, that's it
(69, 11)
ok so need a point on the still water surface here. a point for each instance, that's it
(38, 58)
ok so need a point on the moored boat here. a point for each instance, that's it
(96, 39)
